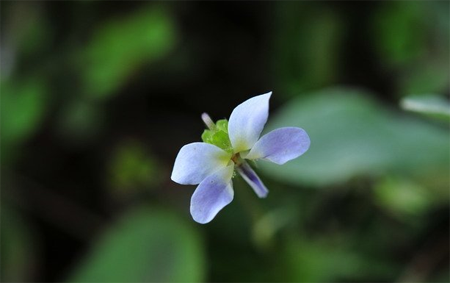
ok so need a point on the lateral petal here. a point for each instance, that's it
(247, 122)
(213, 194)
(196, 161)
(281, 145)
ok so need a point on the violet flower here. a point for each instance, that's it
(226, 147)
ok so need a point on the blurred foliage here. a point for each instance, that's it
(119, 47)
(17, 246)
(23, 40)
(324, 260)
(146, 245)
(308, 42)
(352, 135)
(404, 197)
(413, 45)
(429, 78)
(132, 169)
(34, 37)
(80, 121)
(23, 106)
(402, 32)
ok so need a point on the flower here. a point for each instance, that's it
(226, 147)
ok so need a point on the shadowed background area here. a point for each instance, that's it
(98, 97)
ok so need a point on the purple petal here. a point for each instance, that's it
(213, 194)
(252, 179)
(281, 145)
(196, 161)
(247, 122)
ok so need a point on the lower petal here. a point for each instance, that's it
(212, 194)
(252, 179)
(280, 145)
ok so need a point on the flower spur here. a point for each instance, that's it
(225, 148)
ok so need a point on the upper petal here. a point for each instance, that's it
(281, 145)
(213, 194)
(252, 179)
(196, 161)
(247, 121)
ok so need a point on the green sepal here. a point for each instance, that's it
(218, 136)
(222, 125)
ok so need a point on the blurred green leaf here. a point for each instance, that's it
(403, 197)
(80, 121)
(121, 46)
(352, 135)
(413, 41)
(23, 105)
(428, 77)
(132, 168)
(147, 245)
(308, 44)
(439, 25)
(401, 30)
(327, 260)
(430, 104)
(17, 257)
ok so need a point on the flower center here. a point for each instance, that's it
(236, 158)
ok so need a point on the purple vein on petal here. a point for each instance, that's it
(252, 179)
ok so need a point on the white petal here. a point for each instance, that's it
(247, 122)
(213, 194)
(198, 160)
(281, 145)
